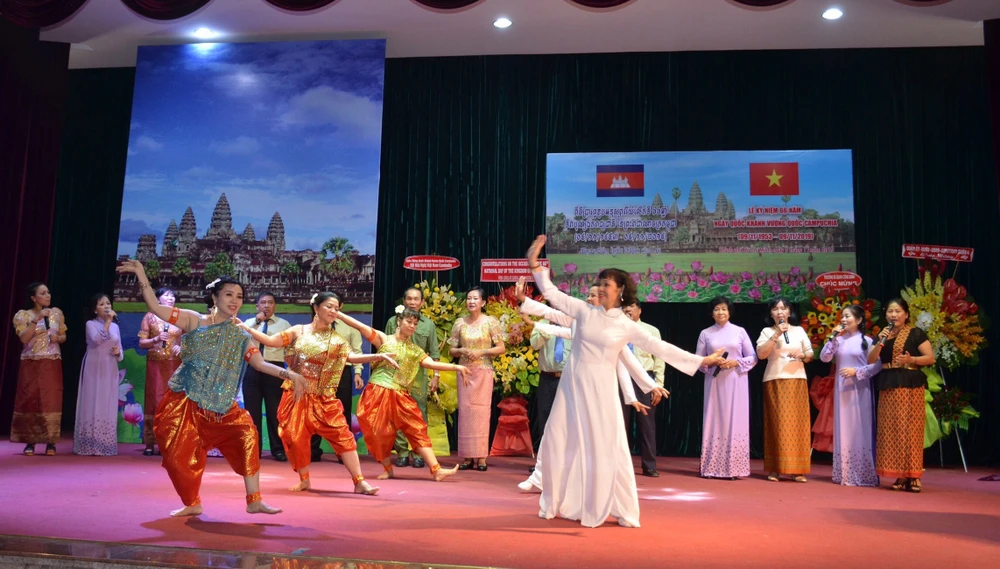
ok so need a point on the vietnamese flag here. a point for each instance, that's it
(621, 181)
(774, 178)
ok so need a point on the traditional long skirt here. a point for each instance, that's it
(787, 427)
(899, 447)
(725, 438)
(853, 438)
(185, 432)
(382, 412)
(475, 402)
(158, 373)
(38, 403)
(321, 415)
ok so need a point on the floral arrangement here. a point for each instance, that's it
(444, 307)
(698, 283)
(945, 408)
(821, 314)
(948, 314)
(517, 368)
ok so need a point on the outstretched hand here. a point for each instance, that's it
(640, 407)
(658, 395)
(519, 288)
(535, 250)
(132, 266)
(388, 358)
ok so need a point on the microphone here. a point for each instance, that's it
(46, 322)
(880, 338)
(782, 321)
(166, 328)
(719, 368)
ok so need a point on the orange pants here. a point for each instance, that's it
(185, 433)
(382, 412)
(312, 415)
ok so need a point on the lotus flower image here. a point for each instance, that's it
(569, 268)
(132, 413)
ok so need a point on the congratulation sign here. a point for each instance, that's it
(838, 280)
(939, 252)
(506, 270)
(430, 263)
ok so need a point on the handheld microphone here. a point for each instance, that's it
(166, 328)
(46, 322)
(782, 321)
(719, 368)
(880, 338)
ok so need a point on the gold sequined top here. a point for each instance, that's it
(479, 336)
(40, 346)
(320, 357)
(153, 328)
(408, 356)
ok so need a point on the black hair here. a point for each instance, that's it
(216, 287)
(419, 291)
(322, 297)
(164, 290)
(721, 300)
(92, 304)
(32, 289)
(264, 293)
(902, 304)
(859, 315)
(407, 313)
(793, 318)
(623, 280)
(480, 290)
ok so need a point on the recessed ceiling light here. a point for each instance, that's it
(204, 34)
(502, 23)
(833, 14)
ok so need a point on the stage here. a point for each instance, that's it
(481, 519)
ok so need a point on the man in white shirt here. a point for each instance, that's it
(259, 388)
(655, 367)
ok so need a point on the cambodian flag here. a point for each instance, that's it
(620, 181)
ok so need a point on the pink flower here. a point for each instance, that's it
(754, 294)
(132, 414)
(776, 288)
(702, 282)
(584, 289)
(564, 287)
(668, 267)
(810, 287)
(794, 271)
(735, 289)
(569, 268)
(656, 276)
(651, 297)
(696, 266)
(636, 277)
(746, 275)
(657, 290)
(692, 294)
(678, 286)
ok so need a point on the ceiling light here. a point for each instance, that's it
(502, 23)
(204, 34)
(833, 14)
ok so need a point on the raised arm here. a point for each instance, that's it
(534, 308)
(98, 333)
(278, 340)
(560, 300)
(767, 342)
(186, 320)
(829, 350)
(375, 338)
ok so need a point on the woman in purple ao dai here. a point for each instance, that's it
(725, 438)
(853, 451)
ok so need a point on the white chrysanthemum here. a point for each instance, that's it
(924, 320)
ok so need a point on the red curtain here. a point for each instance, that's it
(39, 13)
(300, 5)
(164, 9)
(33, 88)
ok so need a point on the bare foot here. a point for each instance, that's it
(187, 511)
(259, 507)
(443, 473)
(301, 486)
(386, 475)
(365, 488)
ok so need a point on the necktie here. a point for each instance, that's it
(631, 348)
(559, 350)
(264, 330)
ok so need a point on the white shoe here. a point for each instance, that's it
(527, 486)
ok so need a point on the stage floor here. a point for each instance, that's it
(481, 519)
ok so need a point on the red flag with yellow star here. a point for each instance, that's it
(774, 178)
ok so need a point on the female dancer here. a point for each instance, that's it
(585, 461)
(725, 439)
(199, 411)
(899, 449)
(96, 431)
(38, 403)
(853, 456)
(386, 405)
(475, 339)
(787, 428)
(162, 343)
(319, 353)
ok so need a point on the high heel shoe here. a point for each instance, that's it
(481, 467)
(469, 465)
